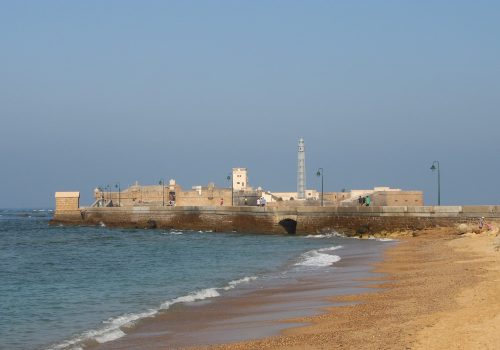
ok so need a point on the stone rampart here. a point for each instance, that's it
(300, 220)
(67, 201)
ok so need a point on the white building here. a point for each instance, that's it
(240, 179)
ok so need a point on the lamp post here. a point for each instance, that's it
(117, 185)
(320, 173)
(162, 183)
(232, 191)
(108, 187)
(101, 196)
(433, 168)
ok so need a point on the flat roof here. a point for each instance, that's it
(67, 194)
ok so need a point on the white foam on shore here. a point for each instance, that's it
(328, 249)
(109, 336)
(315, 258)
(111, 331)
(326, 235)
(233, 284)
(195, 296)
(386, 240)
(112, 328)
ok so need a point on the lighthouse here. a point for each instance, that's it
(301, 170)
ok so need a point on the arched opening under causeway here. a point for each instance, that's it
(289, 225)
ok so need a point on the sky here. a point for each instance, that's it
(100, 92)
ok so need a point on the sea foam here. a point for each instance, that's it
(233, 284)
(195, 296)
(316, 257)
(111, 331)
(326, 235)
(113, 326)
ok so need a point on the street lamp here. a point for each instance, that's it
(117, 185)
(101, 196)
(108, 187)
(320, 173)
(433, 168)
(232, 191)
(162, 183)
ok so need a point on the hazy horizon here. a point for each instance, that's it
(93, 93)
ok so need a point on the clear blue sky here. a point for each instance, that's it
(94, 92)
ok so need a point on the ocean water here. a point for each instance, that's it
(63, 286)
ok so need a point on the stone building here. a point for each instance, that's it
(240, 179)
(380, 196)
(164, 195)
(67, 201)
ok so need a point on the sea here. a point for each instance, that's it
(62, 287)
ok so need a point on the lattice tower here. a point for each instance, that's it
(301, 171)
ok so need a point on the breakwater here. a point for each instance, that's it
(299, 220)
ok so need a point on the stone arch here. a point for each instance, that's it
(290, 225)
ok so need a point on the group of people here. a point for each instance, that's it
(261, 202)
(364, 201)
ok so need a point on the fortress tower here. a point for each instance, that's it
(301, 171)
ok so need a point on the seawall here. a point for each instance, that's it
(299, 220)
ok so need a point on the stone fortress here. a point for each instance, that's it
(173, 194)
(241, 193)
(235, 208)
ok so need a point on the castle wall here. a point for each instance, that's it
(336, 196)
(308, 220)
(156, 196)
(396, 198)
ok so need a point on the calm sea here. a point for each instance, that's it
(61, 286)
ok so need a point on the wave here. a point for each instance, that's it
(172, 233)
(386, 240)
(326, 235)
(111, 331)
(113, 327)
(195, 296)
(328, 249)
(316, 257)
(233, 284)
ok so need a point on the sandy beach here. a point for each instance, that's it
(441, 291)
(435, 289)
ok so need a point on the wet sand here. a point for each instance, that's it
(442, 291)
(255, 310)
(437, 290)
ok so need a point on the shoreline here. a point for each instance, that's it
(435, 289)
(440, 292)
(260, 308)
